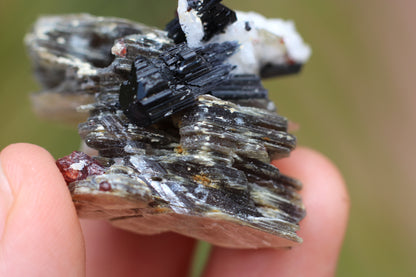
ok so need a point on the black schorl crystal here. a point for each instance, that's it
(160, 87)
(240, 86)
(273, 70)
(175, 31)
(214, 16)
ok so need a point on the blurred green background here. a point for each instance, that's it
(354, 101)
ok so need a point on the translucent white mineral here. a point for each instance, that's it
(262, 41)
(191, 24)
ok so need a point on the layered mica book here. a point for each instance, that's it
(181, 127)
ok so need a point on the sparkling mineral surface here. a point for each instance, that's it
(78, 166)
(181, 122)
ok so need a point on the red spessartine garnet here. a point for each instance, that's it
(78, 166)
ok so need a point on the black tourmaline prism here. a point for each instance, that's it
(160, 87)
(240, 86)
(214, 16)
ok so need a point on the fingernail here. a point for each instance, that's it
(6, 200)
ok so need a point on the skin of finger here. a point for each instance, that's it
(115, 252)
(323, 229)
(42, 235)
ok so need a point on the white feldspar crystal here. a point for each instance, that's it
(262, 41)
(191, 24)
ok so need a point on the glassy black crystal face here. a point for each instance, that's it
(175, 32)
(273, 70)
(214, 16)
(160, 87)
(240, 86)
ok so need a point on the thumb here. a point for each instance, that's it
(40, 233)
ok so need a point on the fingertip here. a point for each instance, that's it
(41, 229)
(22, 161)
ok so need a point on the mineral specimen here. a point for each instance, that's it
(183, 127)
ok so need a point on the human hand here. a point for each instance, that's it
(40, 234)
